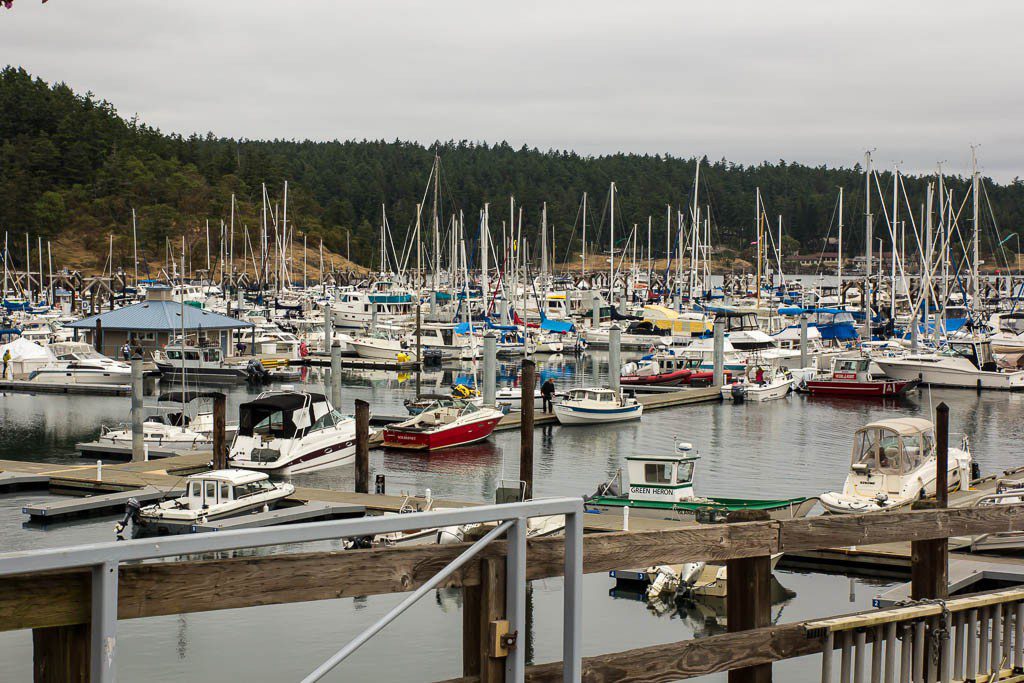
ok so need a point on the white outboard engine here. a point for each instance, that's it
(665, 581)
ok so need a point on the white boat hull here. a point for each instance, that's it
(933, 373)
(567, 414)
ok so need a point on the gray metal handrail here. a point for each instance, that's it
(104, 558)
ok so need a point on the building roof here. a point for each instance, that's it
(160, 316)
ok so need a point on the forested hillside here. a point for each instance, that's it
(71, 167)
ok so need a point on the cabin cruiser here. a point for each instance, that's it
(209, 496)
(759, 383)
(594, 405)
(179, 426)
(893, 465)
(444, 339)
(288, 432)
(79, 363)
(1009, 332)
(661, 487)
(445, 423)
(964, 363)
(201, 364)
(383, 344)
(513, 397)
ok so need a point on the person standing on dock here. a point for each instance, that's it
(547, 392)
(7, 359)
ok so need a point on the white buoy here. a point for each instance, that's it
(625, 518)
(99, 470)
(145, 452)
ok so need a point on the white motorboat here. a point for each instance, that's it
(384, 344)
(513, 397)
(549, 342)
(288, 432)
(200, 364)
(79, 363)
(179, 425)
(964, 363)
(1009, 332)
(893, 465)
(210, 496)
(594, 405)
(760, 383)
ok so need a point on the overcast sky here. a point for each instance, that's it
(805, 81)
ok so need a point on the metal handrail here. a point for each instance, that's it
(104, 558)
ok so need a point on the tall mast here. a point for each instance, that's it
(544, 240)
(650, 263)
(135, 248)
(866, 304)
(976, 210)
(584, 234)
(437, 224)
(839, 259)
(484, 268)
(611, 263)
(231, 255)
(895, 246)
(757, 210)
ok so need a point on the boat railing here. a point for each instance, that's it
(106, 561)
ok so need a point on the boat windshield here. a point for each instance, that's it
(684, 474)
(879, 450)
(658, 473)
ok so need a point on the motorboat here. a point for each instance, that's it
(79, 363)
(893, 465)
(964, 363)
(760, 383)
(674, 360)
(595, 405)
(289, 432)
(200, 363)
(176, 426)
(851, 377)
(649, 373)
(210, 496)
(383, 344)
(513, 397)
(661, 487)
(443, 424)
(1008, 335)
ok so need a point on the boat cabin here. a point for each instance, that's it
(661, 478)
(222, 486)
(284, 415)
(852, 369)
(893, 448)
(598, 395)
(978, 351)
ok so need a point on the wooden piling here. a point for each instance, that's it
(61, 654)
(483, 604)
(527, 385)
(220, 446)
(98, 336)
(362, 446)
(942, 456)
(929, 560)
(748, 601)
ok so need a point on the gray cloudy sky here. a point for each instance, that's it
(747, 80)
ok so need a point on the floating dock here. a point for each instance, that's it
(98, 504)
(74, 389)
(109, 451)
(21, 481)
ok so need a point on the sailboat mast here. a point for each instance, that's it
(584, 234)
(757, 217)
(975, 248)
(866, 303)
(484, 267)
(839, 255)
(611, 263)
(544, 240)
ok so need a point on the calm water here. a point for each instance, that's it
(796, 446)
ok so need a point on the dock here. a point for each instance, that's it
(123, 452)
(73, 389)
(21, 481)
(98, 504)
(306, 512)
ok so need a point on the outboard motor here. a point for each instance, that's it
(131, 512)
(739, 393)
(256, 372)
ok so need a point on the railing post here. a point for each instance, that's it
(104, 623)
(748, 602)
(572, 634)
(515, 601)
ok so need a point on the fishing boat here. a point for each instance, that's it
(288, 432)
(661, 487)
(964, 363)
(851, 377)
(595, 405)
(201, 364)
(650, 373)
(893, 465)
(209, 496)
(443, 424)
(759, 384)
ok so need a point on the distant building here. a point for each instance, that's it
(154, 321)
(828, 260)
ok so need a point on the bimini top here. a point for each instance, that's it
(235, 477)
(280, 414)
(904, 426)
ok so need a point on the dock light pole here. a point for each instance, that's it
(527, 385)
(336, 373)
(362, 446)
(138, 443)
(614, 356)
(719, 353)
(490, 368)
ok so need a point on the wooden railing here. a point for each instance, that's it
(56, 605)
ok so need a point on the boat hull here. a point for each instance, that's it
(333, 455)
(437, 439)
(854, 389)
(204, 375)
(567, 414)
(666, 379)
(778, 510)
(930, 373)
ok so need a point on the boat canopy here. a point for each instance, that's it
(895, 446)
(281, 415)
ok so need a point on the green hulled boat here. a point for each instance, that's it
(661, 486)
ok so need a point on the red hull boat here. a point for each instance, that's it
(443, 424)
(851, 378)
(669, 379)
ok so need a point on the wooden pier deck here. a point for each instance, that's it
(74, 389)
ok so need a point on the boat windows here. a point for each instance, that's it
(173, 355)
(211, 492)
(658, 473)
(325, 421)
(225, 491)
(191, 355)
(195, 489)
(878, 450)
(211, 355)
(685, 473)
